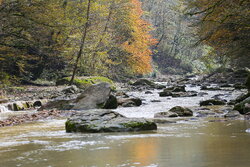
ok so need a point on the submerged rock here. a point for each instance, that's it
(212, 102)
(97, 121)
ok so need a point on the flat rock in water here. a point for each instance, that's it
(98, 121)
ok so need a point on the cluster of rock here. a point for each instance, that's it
(175, 112)
(146, 84)
(177, 91)
(94, 97)
(19, 119)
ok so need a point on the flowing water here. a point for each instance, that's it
(194, 143)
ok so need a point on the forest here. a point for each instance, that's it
(124, 83)
(120, 38)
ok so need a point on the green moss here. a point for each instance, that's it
(134, 124)
(70, 127)
(83, 82)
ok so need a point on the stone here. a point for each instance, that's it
(182, 111)
(95, 96)
(155, 101)
(246, 108)
(163, 121)
(148, 83)
(165, 115)
(129, 102)
(212, 102)
(165, 94)
(122, 94)
(210, 88)
(185, 94)
(239, 86)
(226, 86)
(242, 97)
(242, 107)
(144, 82)
(202, 94)
(70, 90)
(37, 104)
(111, 103)
(148, 92)
(248, 83)
(3, 101)
(232, 114)
(99, 121)
(175, 89)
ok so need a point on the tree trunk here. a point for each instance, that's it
(79, 55)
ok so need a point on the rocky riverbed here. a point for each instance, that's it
(184, 124)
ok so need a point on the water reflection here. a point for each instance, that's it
(193, 144)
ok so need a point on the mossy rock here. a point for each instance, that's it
(84, 82)
(248, 82)
(181, 111)
(241, 106)
(98, 121)
(146, 125)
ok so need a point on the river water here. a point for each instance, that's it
(198, 142)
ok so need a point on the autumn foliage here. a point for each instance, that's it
(42, 38)
(224, 25)
(140, 42)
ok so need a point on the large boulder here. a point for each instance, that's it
(97, 121)
(212, 102)
(95, 96)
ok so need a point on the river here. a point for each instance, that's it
(192, 142)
